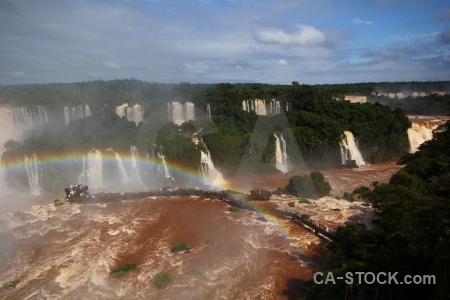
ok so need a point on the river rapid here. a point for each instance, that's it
(68, 252)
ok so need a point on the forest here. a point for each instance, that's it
(313, 125)
(412, 235)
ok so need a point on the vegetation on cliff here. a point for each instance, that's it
(312, 186)
(314, 124)
(413, 235)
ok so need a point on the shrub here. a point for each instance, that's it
(313, 186)
(179, 247)
(118, 274)
(291, 204)
(347, 196)
(210, 242)
(125, 268)
(11, 284)
(162, 280)
(121, 271)
(304, 200)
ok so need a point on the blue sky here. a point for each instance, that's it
(209, 41)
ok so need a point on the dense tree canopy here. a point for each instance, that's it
(413, 236)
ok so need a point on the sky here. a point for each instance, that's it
(211, 41)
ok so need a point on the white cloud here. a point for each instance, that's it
(18, 74)
(111, 65)
(198, 67)
(358, 21)
(282, 62)
(303, 35)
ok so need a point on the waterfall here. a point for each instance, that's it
(163, 170)
(189, 111)
(76, 112)
(274, 107)
(133, 113)
(280, 154)
(179, 113)
(210, 175)
(33, 175)
(245, 105)
(208, 111)
(124, 178)
(420, 133)
(260, 108)
(349, 146)
(343, 154)
(66, 115)
(26, 117)
(87, 111)
(134, 168)
(288, 106)
(92, 174)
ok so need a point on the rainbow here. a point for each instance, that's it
(74, 159)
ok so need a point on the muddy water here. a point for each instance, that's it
(67, 252)
(341, 180)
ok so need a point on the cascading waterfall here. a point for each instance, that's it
(419, 133)
(350, 151)
(33, 175)
(87, 111)
(208, 111)
(124, 178)
(26, 117)
(189, 111)
(92, 174)
(133, 113)
(163, 170)
(274, 107)
(210, 175)
(260, 108)
(76, 112)
(281, 154)
(180, 113)
(288, 106)
(134, 168)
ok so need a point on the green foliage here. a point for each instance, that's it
(304, 200)
(11, 284)
(162, 280)
(179, 247)
(347, 196)
(362, 191)
(311, 186)
(413, 236)
(234, 209)
(120, 271)
(209, 242)
(291, 204)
